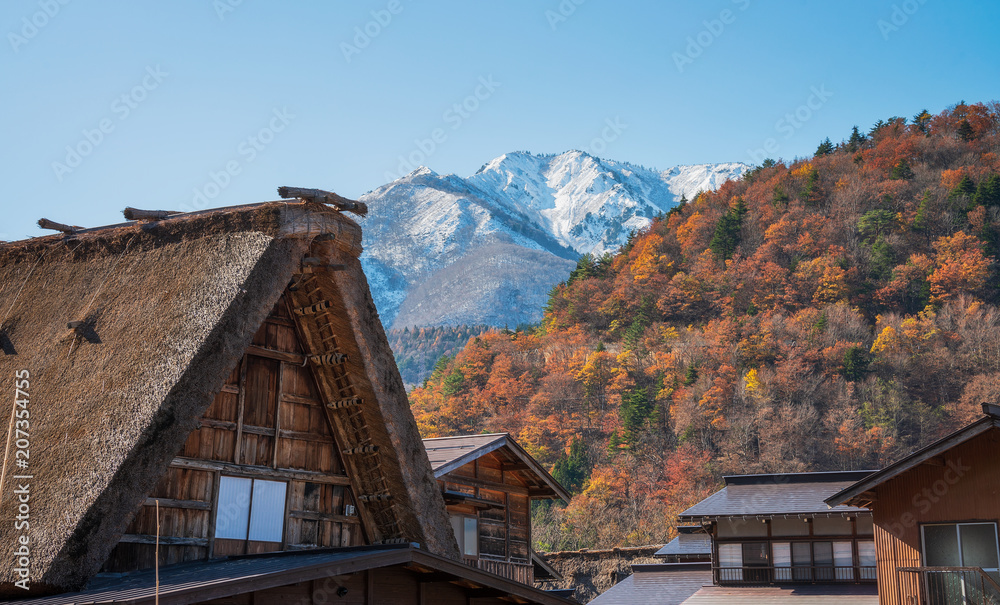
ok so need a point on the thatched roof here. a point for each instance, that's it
(165, 311)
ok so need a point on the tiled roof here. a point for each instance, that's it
(687, 544)
(660, 584)
(806, 594)
(784, 494)
(451, 452)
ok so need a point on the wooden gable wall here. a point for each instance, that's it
(267, 422)
(504, 527)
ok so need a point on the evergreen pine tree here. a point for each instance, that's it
(727, 231)
(573, 470)
(921, 121)
(988, 192)
(920, 221)
(857, 139)
(825, 148)
(963, 193)
(965, 131)
(901, 171)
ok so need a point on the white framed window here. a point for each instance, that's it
(250, 509)
(866, 559)
(843, 560)
(782, 555)
(731, 562)
(467, 534)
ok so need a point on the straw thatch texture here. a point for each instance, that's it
(168, 309)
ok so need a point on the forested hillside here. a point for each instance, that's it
(831, 313)
(417, 350)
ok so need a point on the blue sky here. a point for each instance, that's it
(198, 103)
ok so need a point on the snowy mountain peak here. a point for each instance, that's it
(508, 232)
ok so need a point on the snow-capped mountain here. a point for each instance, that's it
(487, 249)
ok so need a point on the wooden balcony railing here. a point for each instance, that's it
(948, 586)
(756, 576)
(519, 572)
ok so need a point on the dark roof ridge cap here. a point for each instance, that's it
(685, 566)
(805, 477)
(466, 436)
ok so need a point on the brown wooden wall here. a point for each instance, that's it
(504, 530)
(902, 504)
(268, 422)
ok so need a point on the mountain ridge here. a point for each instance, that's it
(528, 216)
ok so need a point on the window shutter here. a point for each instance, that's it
(233, 514)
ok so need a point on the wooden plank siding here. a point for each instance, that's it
(505, 527)
(267, 422)
(961, 485)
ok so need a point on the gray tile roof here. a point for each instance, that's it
(660, 584)
(452, 452)
(806, 594)
(687, 544)
(786, 494)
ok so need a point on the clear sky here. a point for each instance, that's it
(184, 104)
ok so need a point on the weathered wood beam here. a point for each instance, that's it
(173, 503)
(314, 516)
(135, 214)
(514, 466)
(293, 358)
(244, 470)
(45, 223)
(324, 197)
(500, 487)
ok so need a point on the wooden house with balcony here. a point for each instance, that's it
(214, 416)
(488, 483)
(936, 513)
(774, 536)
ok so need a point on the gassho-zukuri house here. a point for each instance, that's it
(209, 412)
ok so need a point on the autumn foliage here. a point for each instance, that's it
(831, 313)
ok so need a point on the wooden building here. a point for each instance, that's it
(215, 387)
(936, 514)
(777, 529)
(488, 482)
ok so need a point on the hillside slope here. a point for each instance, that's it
(832, 313)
